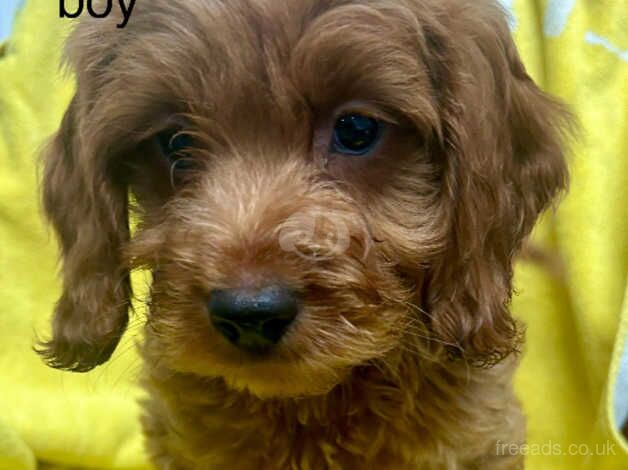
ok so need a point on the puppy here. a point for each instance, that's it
(329, 195)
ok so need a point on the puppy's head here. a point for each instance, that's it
(319, 185)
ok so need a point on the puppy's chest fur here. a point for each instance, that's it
(453, 419)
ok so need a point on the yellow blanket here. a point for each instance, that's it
(577, 321)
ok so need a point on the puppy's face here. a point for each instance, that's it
(319, 185)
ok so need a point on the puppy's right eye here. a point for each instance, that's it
(175, 146)
(355, 134)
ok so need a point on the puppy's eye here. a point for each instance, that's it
(355, 134)
(175, 145)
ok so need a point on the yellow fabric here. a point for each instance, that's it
(578, 50)
(73, 419)
(575, 49)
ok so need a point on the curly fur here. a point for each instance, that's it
(402, 356)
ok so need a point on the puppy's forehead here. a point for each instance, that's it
(221, 56)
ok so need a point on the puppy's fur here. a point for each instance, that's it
(401, 357)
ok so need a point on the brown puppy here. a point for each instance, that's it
(330, 194)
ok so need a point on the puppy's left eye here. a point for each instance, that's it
(356, 134)
(175, 145)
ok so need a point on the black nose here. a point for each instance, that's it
(253, 319)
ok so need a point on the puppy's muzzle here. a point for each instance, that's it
(253, 319)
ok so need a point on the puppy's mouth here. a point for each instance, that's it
(273, 341)
(276, 336)
(314, 354)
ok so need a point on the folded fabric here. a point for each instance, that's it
(577, 316)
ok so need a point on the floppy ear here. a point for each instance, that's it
(88, 211)
(504, 164)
